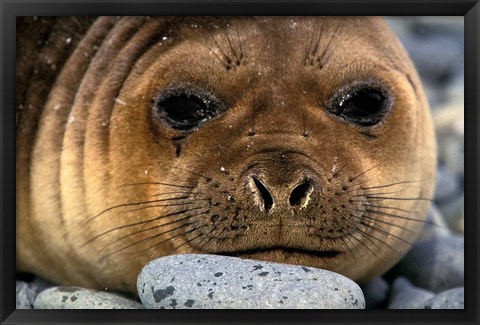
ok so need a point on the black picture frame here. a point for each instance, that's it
(10, 9)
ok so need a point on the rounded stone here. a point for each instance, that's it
(436, 264)
(435, 225)
(454, 214)
(407, 296)
(447, 185)
(450, 299)
(25, 295)
(375, 293)
(220, 282)
(79, 298)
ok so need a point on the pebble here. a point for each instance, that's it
(222, 282)
(375, 293)
(79, 298)
(454, 214)
(25, 295)
(407, 296)
(450, 299)
(450, 130)
(447, 185)
(436, 264)
(435, 225)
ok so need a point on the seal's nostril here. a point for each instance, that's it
(301, 193)
(265, 194)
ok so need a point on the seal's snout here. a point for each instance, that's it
(266, 196)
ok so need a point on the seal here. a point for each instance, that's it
(297, 140)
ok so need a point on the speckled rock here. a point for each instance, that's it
(406, 296)
(436, 264)
(212, 281)
(25, 295)
(450, 299)
(79, 298)
(375, 293)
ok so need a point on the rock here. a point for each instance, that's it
(442, 38)
(450, 299)
(454, 214)
(436, 264)
(449, 126)
(375, 293)
(79, 298)
(435, 225)
(42, 284)
(447, 185)
(213, 281)
(406, 296)
(25, 295)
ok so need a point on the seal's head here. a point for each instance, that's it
(294, 140)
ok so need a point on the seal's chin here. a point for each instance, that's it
(287, 255)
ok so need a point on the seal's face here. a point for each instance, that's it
(295, 140)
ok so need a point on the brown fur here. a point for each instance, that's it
(89, 147)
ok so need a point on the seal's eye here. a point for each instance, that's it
(366, 105)
(184, 109)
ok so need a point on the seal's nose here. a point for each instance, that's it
(266, 196)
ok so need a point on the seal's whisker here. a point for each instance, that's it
(351, 179)
(226, 61)
(232, 48)
(138, 223)
(360, 183)
(173, 237)
(392, 215)
(349, 248)
(142, 230)
(387, 234)
(374, 237)
(337, 172)
(398, 198)
(170, 193)
(193, 173)
(122, 206)
(388, 185)
(314, 51)
(384, 222)
(157, 183)
(187, 241)
(370, 193)
(239, 44)
(389, 207)
(365, 245)
(167, 205)
(323, 59)
(146, 240)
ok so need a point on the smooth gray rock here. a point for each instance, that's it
(435, 225)
(450, 129)
(436, 264)
(447, 185)
(406, 296)
(25, 295)
(212, 281)
(450, 299)
(375, 293)
(42, 284)
(80, 298)
(454, 214)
